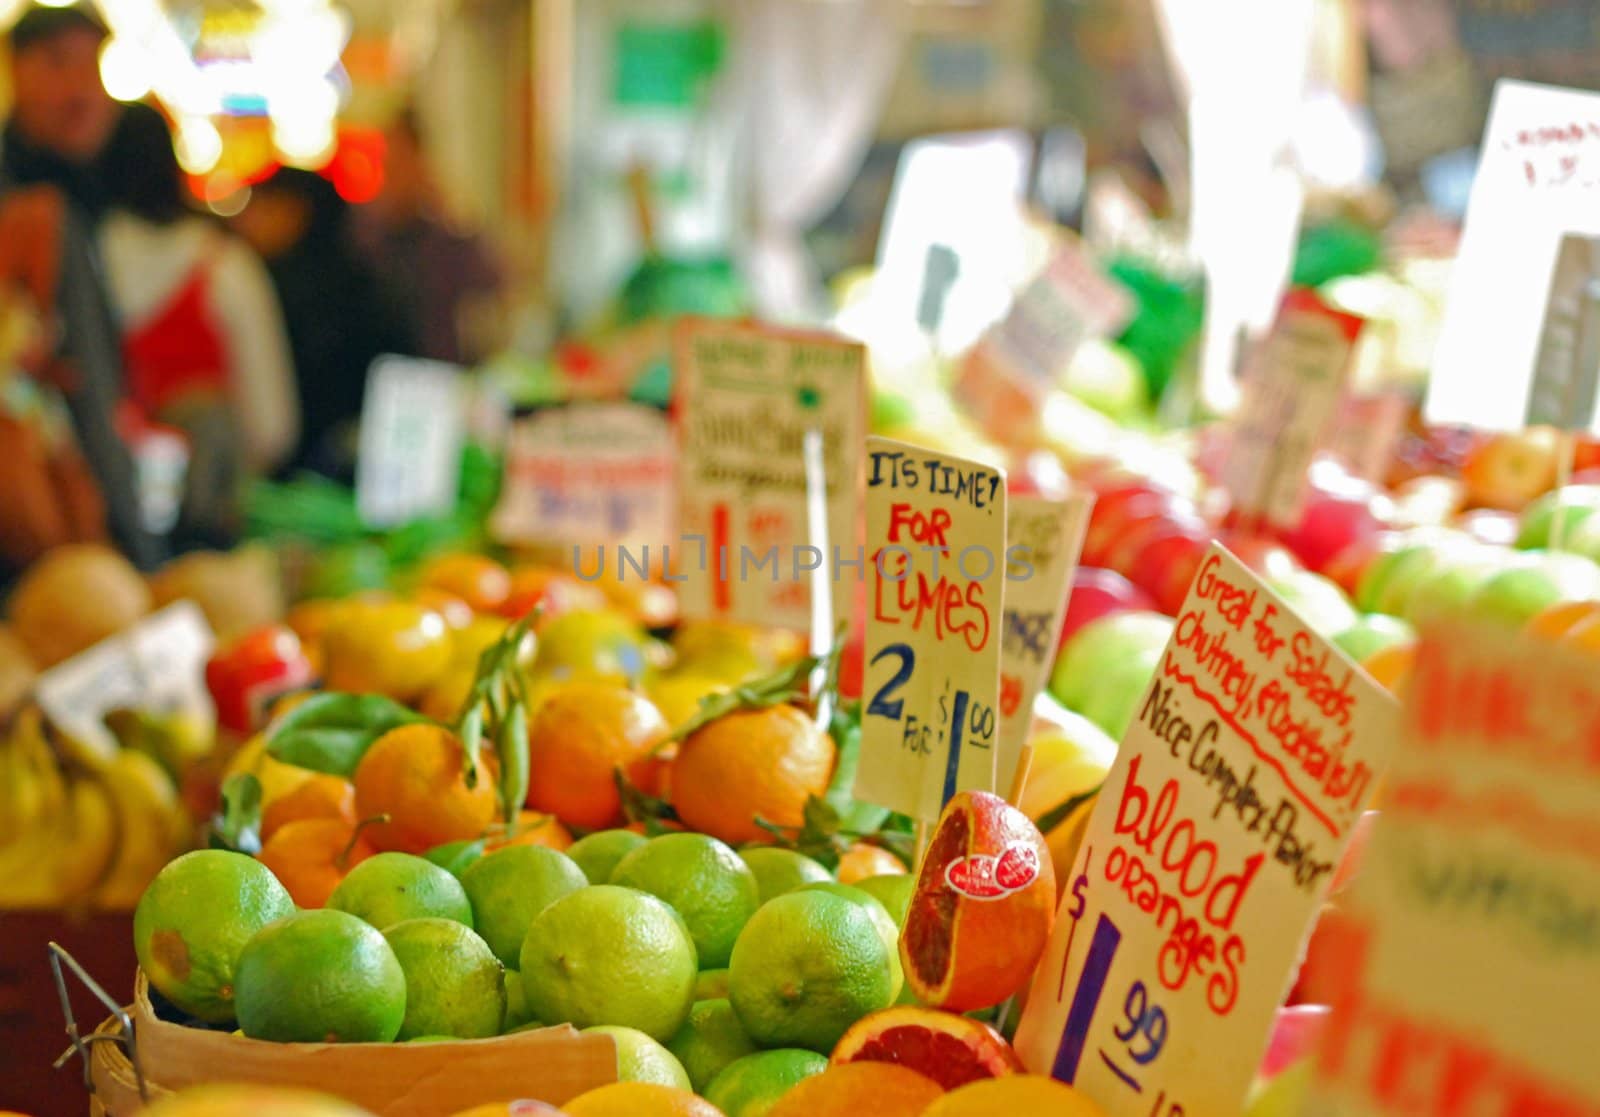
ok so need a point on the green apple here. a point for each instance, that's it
(1099, 646)
(1371, 634)
(1575, 505)
(1526, 588)
(1452, 582)
(1389, 579)
(1317, 601)
(1108, 379)
(1119, 690)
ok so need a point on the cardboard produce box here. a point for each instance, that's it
(552, 1065)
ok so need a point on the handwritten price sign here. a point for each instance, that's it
(1291, 397)
(1043, 538)
(588, 473)
(1209, 851)
(745, 396)
(1523, 289)
(936, 576)
(1470, 938)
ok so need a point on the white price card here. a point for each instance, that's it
(1043, 537)
(1292, 393)
(936, 577)
(1209, 852)
(413, 425)
(745, 397)
(1520, 343)
(1463, 965)
(588, 473)
(157, 664)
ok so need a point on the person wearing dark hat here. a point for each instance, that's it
(60, 120)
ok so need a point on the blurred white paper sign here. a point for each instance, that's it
(588, 473)
(1520, 343)
(413, 423)
(158, 664)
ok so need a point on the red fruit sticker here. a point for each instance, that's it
(982, 876)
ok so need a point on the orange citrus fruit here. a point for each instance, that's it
(1561, 618)
(751, 764)
(985, 900)
(557, 592)
(534, 829)
(321, 796)
(581, 733)
(1020, 1095)
(416, 775)
(476, 579)
(522, 1107)
(864, 860)
(1584, 636)
(640, 1099)
(310, 857)
(882, 1089)
(396, 648)
(952, 1050)
(1391, 667)
(257, 1101)
(456, 612)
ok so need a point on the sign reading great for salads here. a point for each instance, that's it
(745, 398)
(1210, 849)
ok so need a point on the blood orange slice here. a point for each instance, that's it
(952, 1050)
(980, 916)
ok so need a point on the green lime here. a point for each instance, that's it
(751, 1086)
(597, 855)
(455, 986)
(807, 966)
(888, 929)
(454, 857)
(320, 977)
(517, 1014)
(704, 880)
(709, 1040)
(710, 985)
(195, 918)
(388, 888)
(430, 1039)
(781, 870)
(511, 886)
(642, 1059)
(609, 955)
(893, 891)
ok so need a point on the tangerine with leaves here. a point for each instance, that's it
(417, 775)
(321, 796)
(580, 735)
(985, 900)
(310, 857)
(751, 764)
(482, 583)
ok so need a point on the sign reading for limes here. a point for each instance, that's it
(745, 398)
(1210, 849)
(1468, 939)
(936, 575)
(1043, 538)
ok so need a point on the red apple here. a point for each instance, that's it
(1339, 511)
(1261, 553)
(1296, 1034)
(1509, 470)
(1142, 532)
(1097, 593)
(1118, 510)
(1167, 564)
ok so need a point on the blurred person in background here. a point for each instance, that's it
(53, 191)
(203, 339)
(337, 318)
(435, 274)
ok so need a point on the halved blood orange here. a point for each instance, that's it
(981, 914)
(952, 1050)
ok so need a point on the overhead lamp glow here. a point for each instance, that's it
(198, 145)
(124, 70)
(304, 141)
